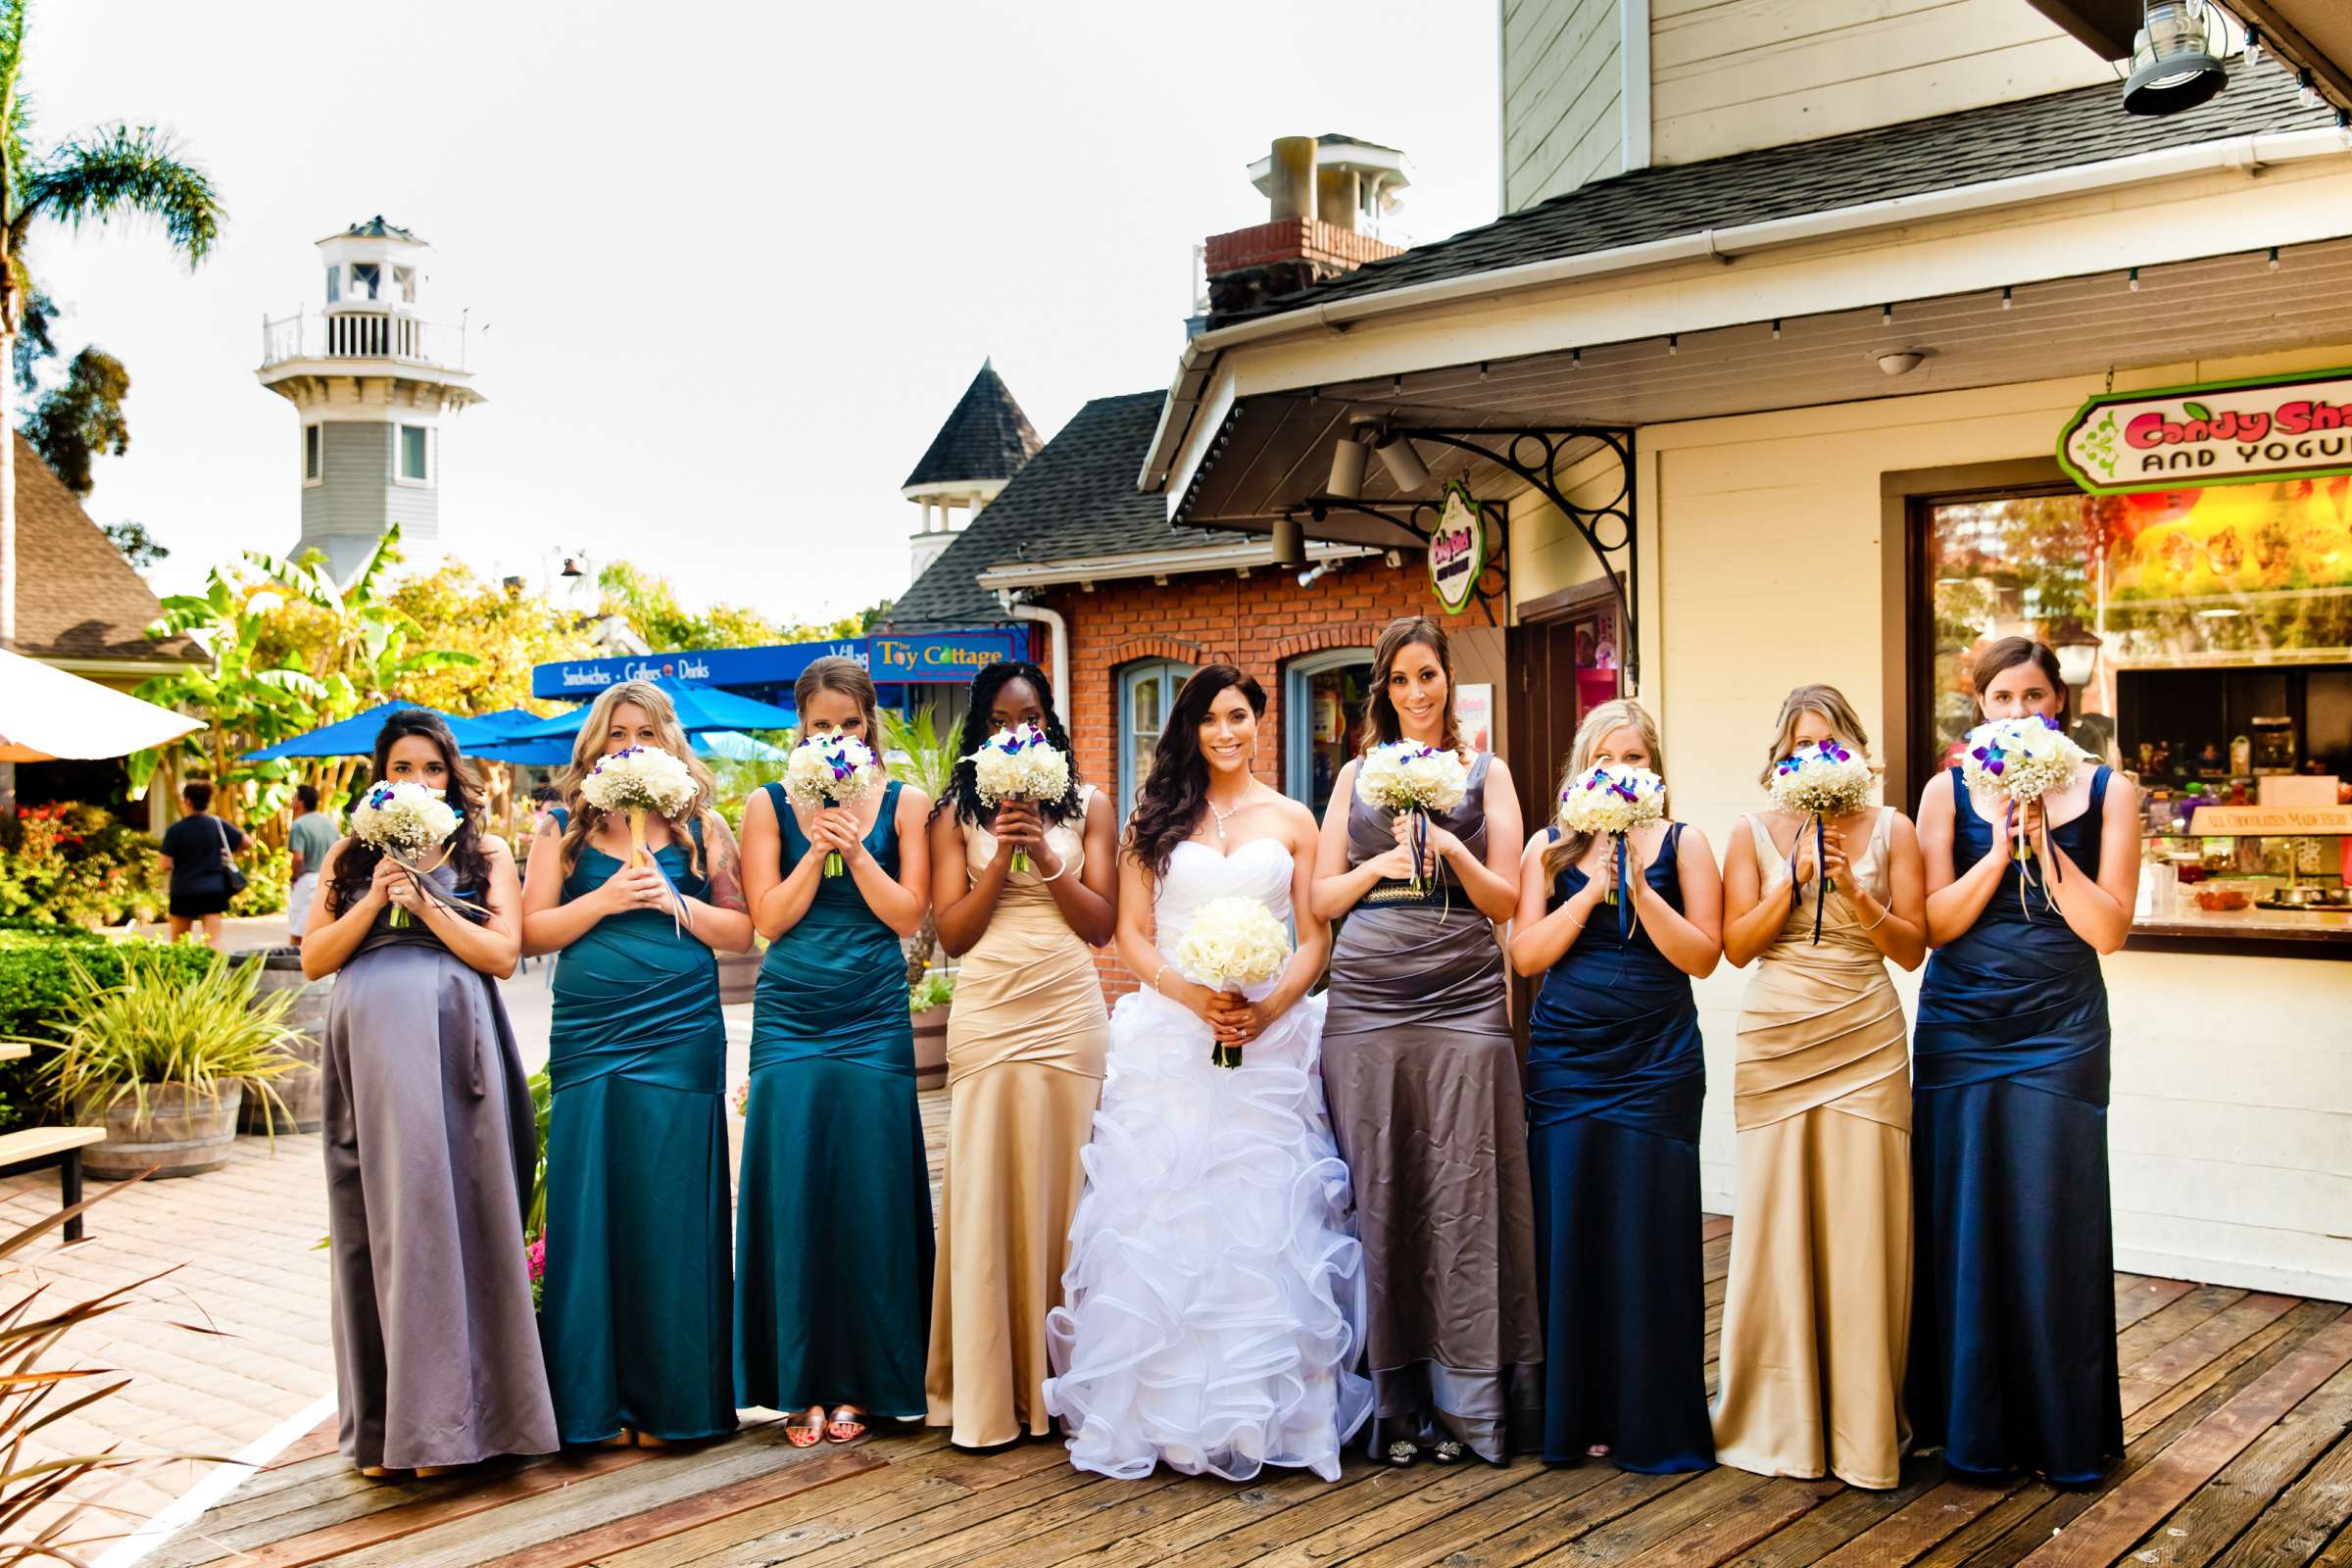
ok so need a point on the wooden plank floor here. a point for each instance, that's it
(2237, 1411)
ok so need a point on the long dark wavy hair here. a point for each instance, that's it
(1382, 727)
(962, 795)
(1175, 792)
(354, 868)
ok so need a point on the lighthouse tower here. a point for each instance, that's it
(373, 382)
(985, 442)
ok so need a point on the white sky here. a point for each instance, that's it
(736, 263)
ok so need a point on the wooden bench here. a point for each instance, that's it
(62, 1147)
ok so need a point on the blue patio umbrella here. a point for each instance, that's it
(700, 709)
(733, 745)
(356, 736)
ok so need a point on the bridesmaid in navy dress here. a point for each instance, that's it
(2013, 1326)
(1614, 1080)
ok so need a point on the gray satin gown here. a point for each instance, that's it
(1422, 1075)
(429, 1151)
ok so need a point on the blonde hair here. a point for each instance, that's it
(589, 746)
(1619, 713)
(1833, 709)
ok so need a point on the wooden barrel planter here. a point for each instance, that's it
(183, 1133)
(739, 973)
(302, 1089)
(931, 1046)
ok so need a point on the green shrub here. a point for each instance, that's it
(75, 865)
(160, 1025)
(268, 875)
(37, 990)
(936, 989)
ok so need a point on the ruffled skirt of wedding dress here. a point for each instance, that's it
(1213, 1307)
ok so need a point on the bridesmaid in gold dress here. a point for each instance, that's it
(1025, 1049)
(1817, 1312)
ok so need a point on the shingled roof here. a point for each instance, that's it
(77, 597)
(1999, 141)
(1076, 500)
(987, 437)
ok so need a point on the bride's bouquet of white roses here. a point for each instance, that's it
(1232, 943)
(1020, 765)
(1408, 776)
(405, 821)
(831, 770)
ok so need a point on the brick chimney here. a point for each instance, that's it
(1315, 190)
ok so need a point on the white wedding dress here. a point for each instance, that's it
(1214, 1305)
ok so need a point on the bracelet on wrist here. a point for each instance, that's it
(1880, 921)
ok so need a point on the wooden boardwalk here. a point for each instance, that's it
(2238, 1407)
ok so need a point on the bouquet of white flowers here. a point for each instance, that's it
(1020, 765)
(2022, 760)
(1232, 943)
(1819, 781)
(405, 821)
(1408, 776)
(638, 779)
(1612, 800)
(831, 770)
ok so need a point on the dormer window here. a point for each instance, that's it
(404, 280)
(366, 279)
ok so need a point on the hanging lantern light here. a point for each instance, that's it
(2173, 67)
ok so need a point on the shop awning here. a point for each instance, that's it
(47, 715)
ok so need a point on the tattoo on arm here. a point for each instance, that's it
(726, 876)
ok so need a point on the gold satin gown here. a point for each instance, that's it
(1025, 1049)
(1817, 1311)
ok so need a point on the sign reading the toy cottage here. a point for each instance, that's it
(1457, 550)
(2225, 432)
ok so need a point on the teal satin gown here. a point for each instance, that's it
(833, 1243)
(635, 1319)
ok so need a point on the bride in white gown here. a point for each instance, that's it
(1213, 1302)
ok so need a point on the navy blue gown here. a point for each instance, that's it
(1615, 1075)
(2012, 1324)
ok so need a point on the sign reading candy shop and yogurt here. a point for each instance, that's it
(2224, 433)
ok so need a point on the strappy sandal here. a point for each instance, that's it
(849, 1428)
(811, 1435)
(1401, 1454)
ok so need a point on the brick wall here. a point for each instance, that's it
(1259, 622)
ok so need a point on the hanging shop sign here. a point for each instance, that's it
(1457, 550)
(2222, 432)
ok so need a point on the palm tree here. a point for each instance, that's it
(920, 756)
(112, 171)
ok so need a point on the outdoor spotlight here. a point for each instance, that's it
(2173, 64)
(2078, 654)
(1290, 543)
(1900, 362)
(1346, 470)
(1404, 465)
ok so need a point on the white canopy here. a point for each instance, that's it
(46, 715)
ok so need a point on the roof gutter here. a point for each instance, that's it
(1060, 628)
(1196, 368)
(1248, 554)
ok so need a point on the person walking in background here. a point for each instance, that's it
(1423, 1078)
(2013, 1355)
(200, 858)
(313, 834)
(1025, 1049)
(430, 1137)
(1817, 1313)
(637, 1300)
(833, 1241)
(1615, 1078)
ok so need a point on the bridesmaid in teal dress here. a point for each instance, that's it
(833, 1243)
(636, 1315)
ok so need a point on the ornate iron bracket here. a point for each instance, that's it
(1534, 455)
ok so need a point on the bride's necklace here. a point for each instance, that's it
(1219, 815)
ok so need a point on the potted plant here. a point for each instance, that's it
(930, 999)
(302, 1092)
(162, 1062)
(917, 755)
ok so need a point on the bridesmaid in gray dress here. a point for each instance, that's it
(429, 1139)
(1422, 1075)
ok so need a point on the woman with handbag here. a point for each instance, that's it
(200, 851)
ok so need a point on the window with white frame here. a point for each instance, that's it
(314, 453)
(415, 454)
(1147, 691)
(367, 278)
(404, 284)
(334, 284)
